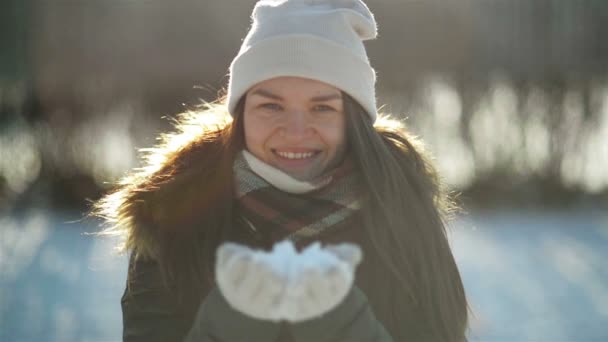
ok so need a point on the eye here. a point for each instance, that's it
(271, 106)
(323, 108)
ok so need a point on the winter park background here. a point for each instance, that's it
(511, 96)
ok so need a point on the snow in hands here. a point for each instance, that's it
(283, 284)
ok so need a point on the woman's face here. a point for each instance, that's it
(296, 125)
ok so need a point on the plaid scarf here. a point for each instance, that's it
(278, 205)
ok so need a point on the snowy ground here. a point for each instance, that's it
(529, 276)
(534, 276)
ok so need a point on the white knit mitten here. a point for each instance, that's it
(284, 284)
(248, 282)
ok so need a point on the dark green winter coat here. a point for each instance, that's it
(151, 311)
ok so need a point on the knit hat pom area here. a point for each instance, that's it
(357, 12)
(315, 39)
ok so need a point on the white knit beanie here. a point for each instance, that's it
(315, 39)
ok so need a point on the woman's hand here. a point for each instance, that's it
(284, 284)
(248, 282)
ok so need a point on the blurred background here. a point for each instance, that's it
(511, 97)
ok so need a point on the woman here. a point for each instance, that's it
(299, 118)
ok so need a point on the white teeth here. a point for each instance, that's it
(291, 155)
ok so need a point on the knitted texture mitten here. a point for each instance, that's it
(284, 284)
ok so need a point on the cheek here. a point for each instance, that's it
(335, 134)
(256, 134)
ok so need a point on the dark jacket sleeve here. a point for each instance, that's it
(216, 321)
(150, 311)
(352, 320)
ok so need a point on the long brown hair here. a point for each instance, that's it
(404, 216)
(179, 208)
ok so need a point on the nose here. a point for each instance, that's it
(296, 126)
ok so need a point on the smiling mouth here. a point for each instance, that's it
(295, 155)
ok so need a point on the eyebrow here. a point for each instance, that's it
(329, 97)
(266, 93)
(321, 98)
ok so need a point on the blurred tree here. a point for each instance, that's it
(14, 25)
(119, 66)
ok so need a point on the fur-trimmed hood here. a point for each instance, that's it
(172, 190)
